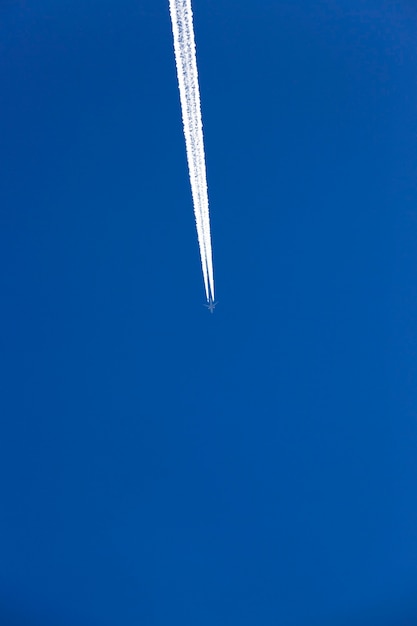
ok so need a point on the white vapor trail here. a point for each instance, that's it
(186, 62)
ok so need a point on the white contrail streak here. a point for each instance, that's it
(185, 59)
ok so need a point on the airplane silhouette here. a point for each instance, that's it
(211, 305)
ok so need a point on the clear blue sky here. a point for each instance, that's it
(161, 465)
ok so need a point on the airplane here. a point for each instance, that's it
(211, 305)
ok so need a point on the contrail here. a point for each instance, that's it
(185, 59)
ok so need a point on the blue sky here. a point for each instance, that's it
(161, 465)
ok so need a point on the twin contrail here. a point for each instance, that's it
(185, 59)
